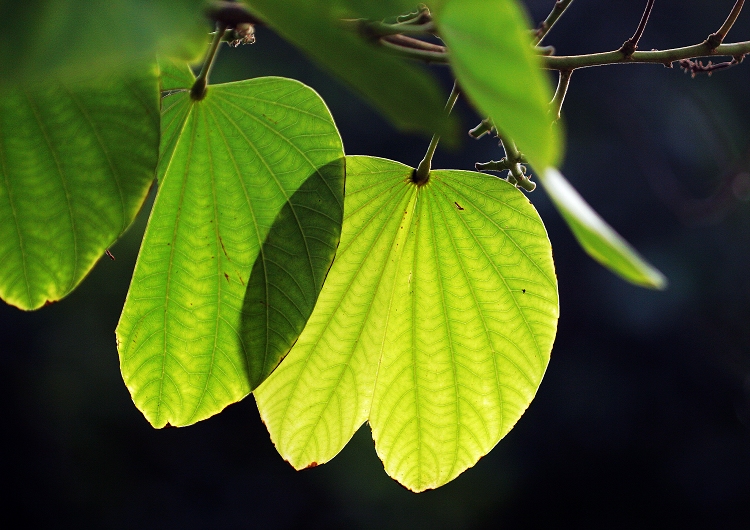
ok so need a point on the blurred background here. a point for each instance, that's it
(643, 417)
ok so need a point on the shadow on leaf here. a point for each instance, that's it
(289, 272)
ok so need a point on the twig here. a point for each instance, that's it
(410, 48)
(562, 89)
(484, 127)
(715, 39)
(373, 30)
(630, 45)
(665, 57)
(554, 16)
(412, 43)
(512, 163)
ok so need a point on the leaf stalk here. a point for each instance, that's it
(200, 86)
(422, 173)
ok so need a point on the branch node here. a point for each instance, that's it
(713, 41)
(628, 49)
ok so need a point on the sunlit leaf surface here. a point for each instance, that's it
(491, 55)
(596, 237)
(435, 324)
(242, 234)
(76, 162)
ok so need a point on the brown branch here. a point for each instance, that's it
(630, 45)
(715, 39)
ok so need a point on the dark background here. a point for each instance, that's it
(643, 418)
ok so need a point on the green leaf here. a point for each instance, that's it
(435, 324)
(406, 95)
(241, 236)
(76, 163)
(596, 237)
(174, 75)
(492, 58)
(377, 10)
(69, 38)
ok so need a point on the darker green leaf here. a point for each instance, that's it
(76, 162)
(72, 38)
(406, 94)
(492, 58)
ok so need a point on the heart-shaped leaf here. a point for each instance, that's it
(435, 324)
(242, 234)
(76, 162)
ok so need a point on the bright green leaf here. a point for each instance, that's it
(407, 95)
(69, 38)
(435, 324)
(491, 55)
(76, 162)
(241, 236)
(596, 237)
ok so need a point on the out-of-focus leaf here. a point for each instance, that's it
(72, 38)
(435, 325)
(76, 162)
(491, 55)
(242, 234)
(596, 237)
(378, 9)
(406, 94)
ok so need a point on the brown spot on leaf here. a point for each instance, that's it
(458, 206)
(523, 291)
(226, 276)
(49, 302)
(224, 248)
(311, 465)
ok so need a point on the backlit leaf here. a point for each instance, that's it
(242, 234)
(76, 162)
(492, 58)
(596, 237)
(435, 325)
